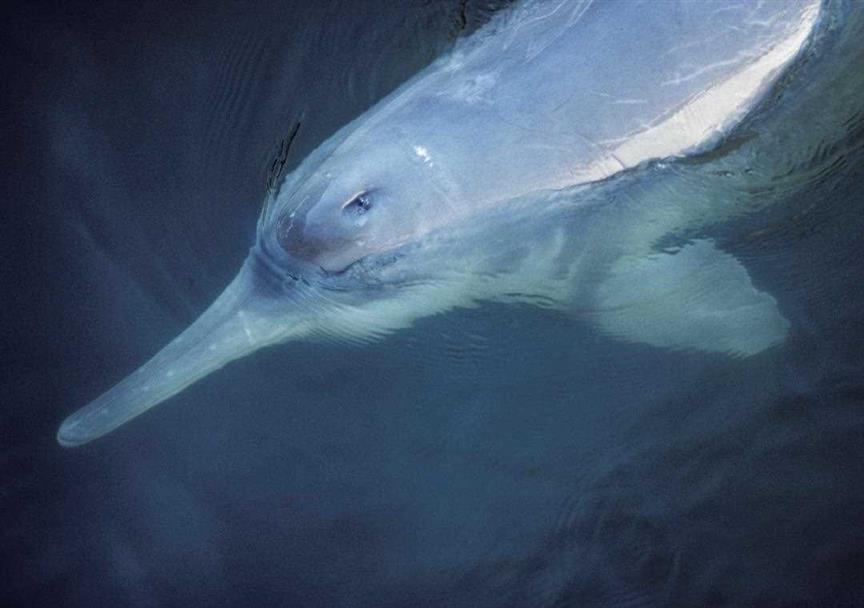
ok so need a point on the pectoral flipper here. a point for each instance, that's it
(695, 298)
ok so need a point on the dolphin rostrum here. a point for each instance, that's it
(525, 165)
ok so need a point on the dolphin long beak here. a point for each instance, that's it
(241, 320)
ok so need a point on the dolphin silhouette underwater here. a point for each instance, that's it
(539, 161)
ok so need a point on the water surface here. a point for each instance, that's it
(498, 456)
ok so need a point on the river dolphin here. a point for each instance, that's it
(546, 159)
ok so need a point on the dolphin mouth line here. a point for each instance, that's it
(361, 266)
(279, 277)
(271, 273)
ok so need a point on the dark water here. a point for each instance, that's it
(502, 456)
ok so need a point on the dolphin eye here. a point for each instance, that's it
(358, 205)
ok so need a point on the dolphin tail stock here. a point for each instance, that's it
(696, 298)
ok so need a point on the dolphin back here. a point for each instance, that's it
(556, 94)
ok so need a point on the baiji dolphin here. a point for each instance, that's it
(546, 160)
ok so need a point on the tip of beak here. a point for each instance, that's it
(67, 437)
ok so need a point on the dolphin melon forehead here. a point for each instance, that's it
(560, 93)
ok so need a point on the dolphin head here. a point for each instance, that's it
(372, 195)
(328, 234)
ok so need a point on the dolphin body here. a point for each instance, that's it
(540, 161)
